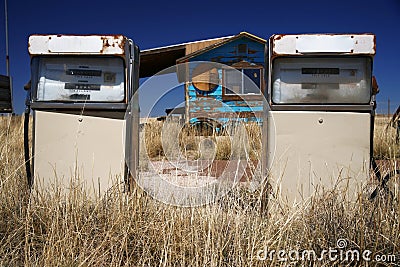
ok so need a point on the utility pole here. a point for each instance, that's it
(6, 23)
(8, 56)
(388, 111)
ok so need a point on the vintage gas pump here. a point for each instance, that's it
(79, 92)
(319, 129)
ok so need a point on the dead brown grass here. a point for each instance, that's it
(243, 141)
(134, 230)
(385, 146)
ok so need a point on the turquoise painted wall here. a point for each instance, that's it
(201, 104)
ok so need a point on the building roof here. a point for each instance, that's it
(157, 59)
(154, 60)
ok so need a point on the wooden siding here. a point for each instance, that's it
(228, 54)
(213, 104)
(193, 47)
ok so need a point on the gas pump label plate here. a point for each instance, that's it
(83, 72)
(79, 86)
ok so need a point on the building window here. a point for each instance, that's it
(246, 81)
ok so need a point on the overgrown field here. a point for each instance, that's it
(158, 137)
(135, 230)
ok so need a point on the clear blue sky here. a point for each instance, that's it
(153, 24)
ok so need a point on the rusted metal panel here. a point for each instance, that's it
(293, 44)
(77, 44)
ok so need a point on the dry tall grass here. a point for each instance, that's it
(159, 136)
(135, 230)
(385, 146)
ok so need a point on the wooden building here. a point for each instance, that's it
(224, 77)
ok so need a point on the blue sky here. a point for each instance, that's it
(153, 24)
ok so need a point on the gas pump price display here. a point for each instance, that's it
(77, 79)
(321, 80)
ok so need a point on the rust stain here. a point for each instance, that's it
(105, 44)
(279, 36)
(112, 41)
(122, 45)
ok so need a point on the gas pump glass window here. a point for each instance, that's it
(327, 80)
(80, 79)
